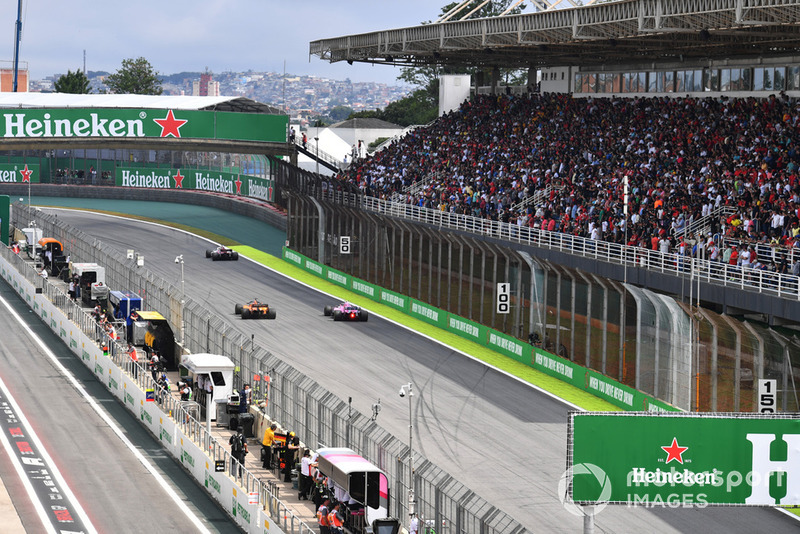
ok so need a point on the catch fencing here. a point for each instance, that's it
(298, 402)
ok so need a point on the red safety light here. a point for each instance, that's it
(352, 315)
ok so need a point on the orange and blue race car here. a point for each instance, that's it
(222, 253)
(255, 310)
(346, 311)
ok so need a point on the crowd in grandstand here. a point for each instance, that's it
(684, 158)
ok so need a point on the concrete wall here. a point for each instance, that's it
(248, 208)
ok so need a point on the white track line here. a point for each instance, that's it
(110, 422)
(51, 465)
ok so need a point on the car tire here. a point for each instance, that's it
(208, 253)
(363, 316)
(246, 314)
(234, 255)
(337, 315)
(214, 256)
(271, 314)
(328, 311)
(237, 309)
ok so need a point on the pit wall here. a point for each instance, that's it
(176, 438)
(588, 380)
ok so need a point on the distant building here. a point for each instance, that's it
(7, 78)
(206, 86)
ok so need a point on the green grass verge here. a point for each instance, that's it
(555, 386)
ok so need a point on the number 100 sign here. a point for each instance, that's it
(503, 297)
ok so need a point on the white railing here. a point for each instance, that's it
(713, 272)
(704, 223)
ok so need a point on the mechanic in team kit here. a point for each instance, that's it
(267, 442)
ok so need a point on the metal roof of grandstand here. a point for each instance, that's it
(366, 124)
(610, 33)
(203, 103)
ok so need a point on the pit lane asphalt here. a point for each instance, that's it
(503, 439)
(117, 492)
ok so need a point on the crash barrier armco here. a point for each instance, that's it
(588, 380)
(249, 501)
(294, 399)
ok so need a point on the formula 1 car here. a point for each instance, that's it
(255, 310)
(346, 311)
(222, 253)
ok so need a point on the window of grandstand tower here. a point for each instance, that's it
(793, 78)
(691, 81)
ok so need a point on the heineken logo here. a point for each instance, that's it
(21, 125)
(151, 180)
(12, 173)
(170, 126)
(675, 451)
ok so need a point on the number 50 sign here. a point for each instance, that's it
(503, 297)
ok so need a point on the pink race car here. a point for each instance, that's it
(346, 311)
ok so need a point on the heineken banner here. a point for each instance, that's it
(178, 123)
(19, 173)
(188, 179)
(678, 459)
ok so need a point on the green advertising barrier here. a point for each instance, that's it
(292, 257)
(337, 277)
(394, 300)
(196, 180)
(684, 459)
(132, 123)
(467, 329)
(509, 346)
(17, 173)
(365, 289)
(426, 312)
(572, 373)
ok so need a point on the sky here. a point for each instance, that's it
(183, 35)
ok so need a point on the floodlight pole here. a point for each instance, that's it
(408, 390)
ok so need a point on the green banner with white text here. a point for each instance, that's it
(197, 180)
(137, 123)
(684, 459)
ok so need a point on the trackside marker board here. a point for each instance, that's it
(683, 459)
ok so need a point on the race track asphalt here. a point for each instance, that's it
(111, 484)
(503, 439)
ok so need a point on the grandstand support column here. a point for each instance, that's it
(588, 353)
(558, 313)
(758, 357)
(321, 231)
(605, 323)
(737, 371)
(714, 357)
(518, 322)
(531, 321)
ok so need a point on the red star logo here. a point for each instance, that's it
(170, 125)
(238, 183)
(179, 180)
(26, 174)
(675, 451)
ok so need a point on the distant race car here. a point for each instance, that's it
(346, 311)
(222, 253)
(255, 310)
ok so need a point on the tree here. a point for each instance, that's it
(72, 82)
(339, 113)
(136, 76)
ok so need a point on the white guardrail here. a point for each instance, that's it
(713, 272)
(251, 503)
